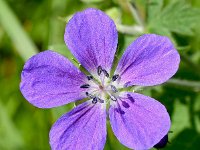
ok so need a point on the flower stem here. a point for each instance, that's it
(177, 83)
(127, 6)
(135, 14)
(190, 85)
(131, 30)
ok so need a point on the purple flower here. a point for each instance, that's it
(50, 80)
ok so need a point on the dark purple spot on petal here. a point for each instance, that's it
(130, 98)
(163, 142)
(61, 74)
(125, 104)
(85, 86)
(36, 83)
(119, 110)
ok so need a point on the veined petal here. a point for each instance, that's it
(151, 59)
(48, 80)
(92, 38)
(83, 128)
(139, 122)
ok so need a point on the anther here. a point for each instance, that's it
(114, 89)
(105, 73)
(113, 98)
(99, 70)
(100, 100)
(85, 86)
(115, 77)
(89, 77)
(95, 100)
(89, 95)
(127, 84)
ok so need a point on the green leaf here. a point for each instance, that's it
(24, 45)
(178, 17)
(115, 14)
(59, 111)
(154, 7)
(92, 1)
(112, 143)
(188, 139)
(180, 122)
(10, 136)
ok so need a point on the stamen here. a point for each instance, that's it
(115, 77)
(114, 89)
(85, 86)
(105, 73)
(89, 77)
(95, 99)
(89, 95)
(99, 70)
(101, 100)
(113, 98)
(127, 84)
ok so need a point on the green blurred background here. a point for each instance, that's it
(30, 26)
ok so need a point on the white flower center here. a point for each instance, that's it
(103, 88)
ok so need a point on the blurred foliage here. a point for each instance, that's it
(30, 26)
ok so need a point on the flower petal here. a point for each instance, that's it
(48, 80)
(141, 125)
(92, 38)
(151, 59)
(83, 128)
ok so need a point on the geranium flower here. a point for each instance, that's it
(139, 122)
